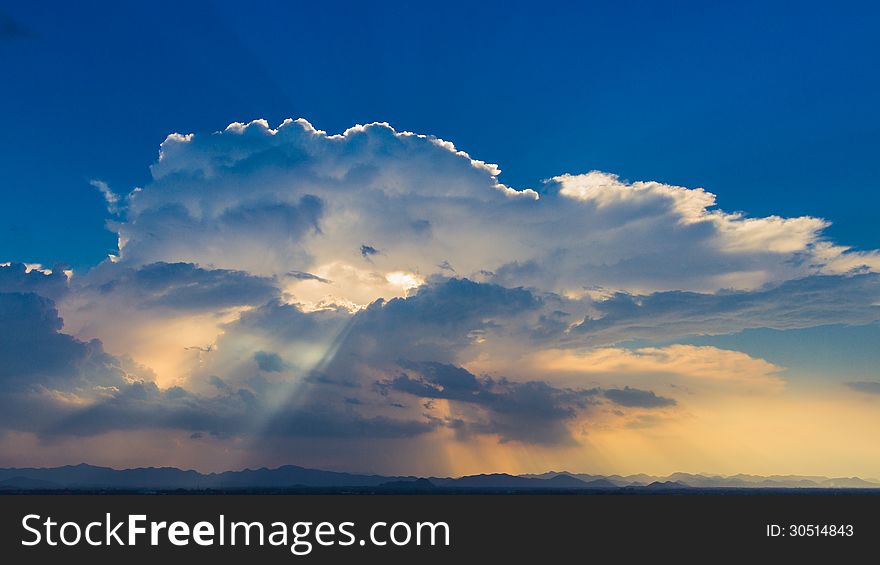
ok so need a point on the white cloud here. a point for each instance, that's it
(110, 197)
(270, 201)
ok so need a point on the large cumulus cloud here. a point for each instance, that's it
(295, 199)
(302, 291)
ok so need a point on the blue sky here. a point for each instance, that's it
(772, 105)
(649, 284)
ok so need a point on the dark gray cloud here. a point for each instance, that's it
(269, 362)
(277, 320)
(15, 277)
(338, 399)
(35, 353)
(416, 341)
(429, 329)
(143, 405)
(303, 276)
(868, 387)
(367, 251)
(445, 266)
(46, 375)
(530, 412)
(440, 380)
(183, 286)
(635, 398)
(435, 323)
(421, 227)
(806, 302)
(232, 412)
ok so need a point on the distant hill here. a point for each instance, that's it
(505, 481)
(666, 485)
(848, 482)
(170, 478)
(89, 477)
(733, 481)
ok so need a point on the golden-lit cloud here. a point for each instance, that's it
(704, 368)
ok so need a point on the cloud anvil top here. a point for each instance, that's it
(378, 300)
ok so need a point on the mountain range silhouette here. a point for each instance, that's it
(89, 477)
